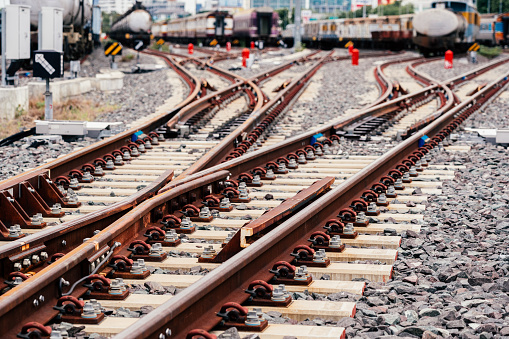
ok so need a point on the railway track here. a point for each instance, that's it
(186, 192)
(196, 307)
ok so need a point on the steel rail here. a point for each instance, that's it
(76, 159)
(449, 83)
(221, 151)
(385, 84)
(62, 232)
(16, 305)
(63, 237)
(195, 307)
(259, 158)
(78, 238)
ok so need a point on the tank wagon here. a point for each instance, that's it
(133, 26)
(447, 25)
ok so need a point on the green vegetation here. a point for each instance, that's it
(482, 6)
(107, 20)
(490, 52)
(127, 58)
(70, 109)
(283, 16)
(164, 47)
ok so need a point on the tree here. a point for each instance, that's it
(482, 6)
(283, 16)
(107, 20)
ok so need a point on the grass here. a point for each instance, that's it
(127, 57)
(490, 52)
(70, 109)
(165, 47)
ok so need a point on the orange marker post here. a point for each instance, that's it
(355, 57)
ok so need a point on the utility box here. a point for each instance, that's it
(48, 64)
(96, 20)
(60, 127)
(17, 32)
(51, 29)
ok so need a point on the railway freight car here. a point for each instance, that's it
(133, 27)
(447, 25)
(502, 29)
(256, 24)
(203, 27)
(382, 32)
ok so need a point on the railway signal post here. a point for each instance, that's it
(138, 46)
(48, 65)
(112, 49)
(160, 43)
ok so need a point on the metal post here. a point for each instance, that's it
(364, 11)
(500, 6)
(488, 6)
(48, 101)
(297, 39)
(113, 63)
(4, 46)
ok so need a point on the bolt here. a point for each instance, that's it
(168, 332)
(41, 298)
(35, 303)
(64, 243)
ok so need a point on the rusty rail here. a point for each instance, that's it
(448, 84)
(195, 307)
(66, 236)
(231, 142)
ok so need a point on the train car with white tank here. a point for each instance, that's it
(133, 26)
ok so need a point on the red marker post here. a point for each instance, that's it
(228, 46)
(350, 49)
(449, 55)
(190, 48)
(355, 57)
(252, 45)
(245, 56)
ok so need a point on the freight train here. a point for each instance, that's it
(374, 32)
(133, 27)
(251, 25)
(446, 25)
